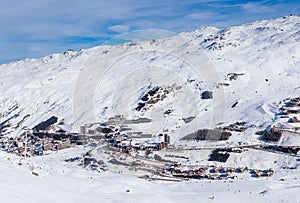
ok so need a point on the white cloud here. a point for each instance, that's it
(119, 28)
(256, 7)
(36, 49)
(202, 15)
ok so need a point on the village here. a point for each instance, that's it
(119, 138)
(47, 136)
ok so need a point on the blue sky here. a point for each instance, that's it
(35, 28)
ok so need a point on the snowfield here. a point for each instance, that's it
(251, 70)
(58, 182)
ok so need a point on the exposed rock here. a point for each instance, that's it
(188, 119)
(219, 156)
(45, 124)
(207, 95)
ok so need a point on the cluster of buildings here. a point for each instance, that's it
(48, 135)
(290, 107)
(126, 143)
(261, 173)
(118, 132)
(214, 173)
(237, 127)
(33, 143)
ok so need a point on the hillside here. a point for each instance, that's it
(263, 52)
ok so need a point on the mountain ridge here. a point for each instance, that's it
(46, 86)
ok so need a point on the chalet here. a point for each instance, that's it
(64, 145)
(48, 146)
(293, 111)
(136, 146)
(293, 120)
(125, 143)
(151, 145)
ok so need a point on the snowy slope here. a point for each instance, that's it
(60, 183)
(265, 52)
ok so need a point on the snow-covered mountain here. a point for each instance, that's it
(243, 78)
(254, 65)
